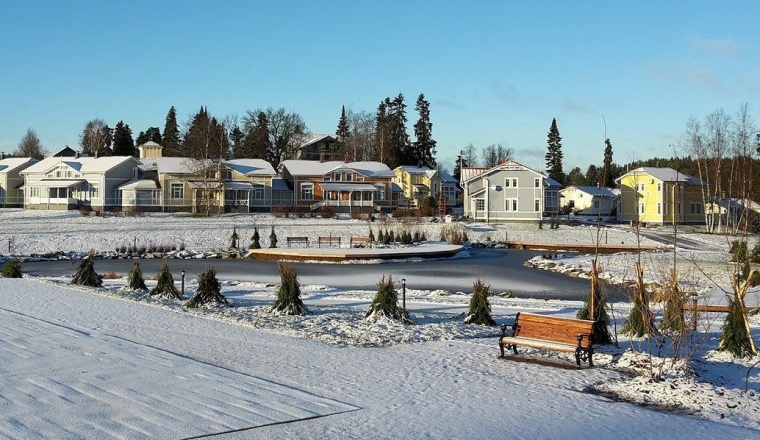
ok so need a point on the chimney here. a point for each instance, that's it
(322, 158)
(345, 158)
(598, 185)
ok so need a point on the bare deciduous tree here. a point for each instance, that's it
(96, 138)
(30, 146)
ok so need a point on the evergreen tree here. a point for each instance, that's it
(237, 139)
(234, 238)
(607, 172)
(423, 149)
(576, 177)
(480, 309)
(554, 154)
(208, 292)
(255, 244)
(171, 140)
(135, 280)
(399, 147)
(96, 138)
(382, 134)
(385, 304)
(289, 296)
(12, 269)
(593, 175)
(595, 309)
(152, 134)
(735, 338)
(86, 275)
(272, 239)
(343, 133)
(165, 287)
(123, 144)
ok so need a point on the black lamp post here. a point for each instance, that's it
(183, 282)
(403, 294)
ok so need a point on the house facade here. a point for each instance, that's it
(12, 182)
(588, 200)
(509, 192)
(73, 182)
(660, 196)
(341, 186)
(317, 147)
(420, 182)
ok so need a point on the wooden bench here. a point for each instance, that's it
(329, 241)
(550, 333)
(298, 240)
(363, 241)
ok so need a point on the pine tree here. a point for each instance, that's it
(208, 292)
(135, 280)
(343, 133)
(554, 154)
(171, 140)
(272, 239)
(86, 275)
(385, 304)
(12, 269)
(255, 239)
(480, 309)
(123, 144)
(423, 149)
(609, 179)
(289, 296)
(234, 238)
(399, 139)
(165, 287)
(371, 236)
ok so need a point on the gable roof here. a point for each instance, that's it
(470, 172)
(512, 164)
(251, 167)
(308, 139)
(317, 168)
(665, 174)
(105, 163)
(170, 165)
(64, 152)
(413, 169)
(9, 164)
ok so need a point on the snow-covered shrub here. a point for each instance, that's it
(480, 310)
(12, 269)
(135, 280)
(208, 292)
(289, 296)
(165, 287)
(385, 304)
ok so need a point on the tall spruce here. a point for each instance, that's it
(609, 178)
(423, 148)
(382, 134)
(152, 134)
(554, 154)
(123, 144)
(399, 138)
(343, 133)
(171, 140)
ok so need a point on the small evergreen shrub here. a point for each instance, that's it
(234, 238)
(12, 269)
(735, 339)
(289, 296)
(86, 275)
(738, 251)
(371, 236)
(165, 287)
(208, 292)
(385, 304)
(135, 280)
(480, 309)
(255, 244)
(272, 239)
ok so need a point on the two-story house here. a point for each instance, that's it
(342, 186)
(660, 196)
(509, 191)
(420, 182)
(12, 182)
(596, 201)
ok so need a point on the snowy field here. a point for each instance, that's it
(100, 363)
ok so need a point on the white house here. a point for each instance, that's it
(588, 200)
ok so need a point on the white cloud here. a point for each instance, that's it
(720, 47)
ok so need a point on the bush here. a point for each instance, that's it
(385, 304)
(272, 239)
(12, 269)
(135, 280)
(208, 292)
(234, 238)
(328, 212)
(735, 339)
(480, 309)
(289, 296)
(86, 275)
(165, 287)
(738, 251)
(255, 244)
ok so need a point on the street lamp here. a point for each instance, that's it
(183, 282)
(403, 294)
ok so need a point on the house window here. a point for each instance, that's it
(177, 190)
(327, 178)
(94, 190)
(307, 191)
(480, 205)
(507, 182)
(337, 177)
(510, 205)
(659, 208)
(641, 187)
(258, 192)
(659, 187)
(226, 174)
(642, 207)
(514, 183)
(537, 183)
(696, 208)
(537, 205)
(349, 177)
(596, 204)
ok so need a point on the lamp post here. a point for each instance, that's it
(403, 294)
(183, 282)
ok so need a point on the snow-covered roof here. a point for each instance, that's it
(312, 138)
(49, 163)
(317, 168)
(9, 164)
(251, 167)
(413, 169)
(470, 172)
(139, 184)
(104, 164)
(592, 190)
(446, 177)
(510, 164)
(664, 174)
(150, 144)
(171, 165)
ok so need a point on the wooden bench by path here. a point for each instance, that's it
(361, 241)
(298, 240)
(550, 333)
(328, 241)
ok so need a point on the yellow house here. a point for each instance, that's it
(660, 196)
(420, 182)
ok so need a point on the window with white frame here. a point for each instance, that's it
(480, 205)
(537, 183)
(177, 190)
(258, 192)
(537, 205)
(94, 190)
(510, 182)
(641, 186)
(659, 186)
(349, 177)
(510, 205)
(596, 204)
(307, 191)
(642, 208)
(659, 208)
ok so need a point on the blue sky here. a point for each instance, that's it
(494, 72)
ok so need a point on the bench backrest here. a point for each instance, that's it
(551, 328)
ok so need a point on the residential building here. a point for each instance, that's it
(507, 192)
(588, 200)
(313, 146)
(342, 186)
(420, 182)
(660, 196)
(12, 182)
(71, 182)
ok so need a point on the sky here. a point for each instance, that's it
(494, 72)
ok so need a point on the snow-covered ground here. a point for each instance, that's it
(94, 363)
